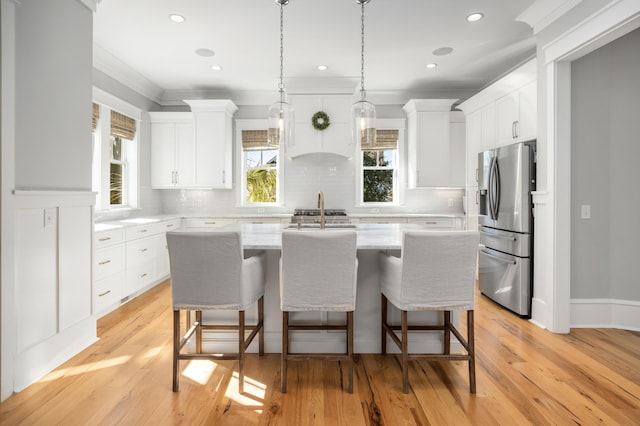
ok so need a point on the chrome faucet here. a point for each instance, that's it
(321, 207)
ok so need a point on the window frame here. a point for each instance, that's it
(102, 155)
(399, 166)
(255, 124)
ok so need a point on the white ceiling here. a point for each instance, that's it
(135, 40)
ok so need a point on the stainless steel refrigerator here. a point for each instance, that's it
(505, 222)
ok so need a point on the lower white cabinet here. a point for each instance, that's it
(128, 260)
(383, 219)
(443, 223)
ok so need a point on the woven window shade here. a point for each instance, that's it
(256, 140)
(95, 117)
(122, 126)
(385, 139)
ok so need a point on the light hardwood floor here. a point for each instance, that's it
(525, 375)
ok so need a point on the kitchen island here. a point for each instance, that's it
(371, 239)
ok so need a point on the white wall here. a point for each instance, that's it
(605, 174)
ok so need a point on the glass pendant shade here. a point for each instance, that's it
(363, 123)
(281, 120)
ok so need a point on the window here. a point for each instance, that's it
(260, 169)
(115, 156)
(379, 169)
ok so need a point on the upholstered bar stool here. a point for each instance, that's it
(318, 272)
(436, 271)
(209, 272)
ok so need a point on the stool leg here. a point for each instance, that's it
(261, 321)
(383, 334)
(472, 351)
(405, 354)
(350, 348)
(198, 332)
(241, 351)
(285, 352)
(176, 347)
(447, 332)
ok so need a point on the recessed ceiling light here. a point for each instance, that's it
(205, 52)
(431, 65)
(177, 18)
(475, 17)
(442, 51)
(323, 67)
(216, 67)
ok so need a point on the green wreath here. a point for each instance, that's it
(320, 120)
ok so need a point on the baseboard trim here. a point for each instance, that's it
(605, 313)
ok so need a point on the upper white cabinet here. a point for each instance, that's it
(435, 144)
(517, 115)
(193, 149)
(173, 150)
(334, 139)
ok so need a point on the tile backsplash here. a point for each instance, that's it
(305, 176)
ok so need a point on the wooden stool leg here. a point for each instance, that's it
(241, 351)
(383, 335)
(350, 348)
(261, 322)
(198, 332)
(176, 348)
(447, 332)
(472, 351)
(405, 353)
(285, 352)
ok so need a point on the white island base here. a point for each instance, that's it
(367, 314)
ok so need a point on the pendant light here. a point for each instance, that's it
(281, 116)
(363, 112)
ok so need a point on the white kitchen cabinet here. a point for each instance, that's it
(457, 148)
(489, 135)
(193, 149)
(108, 269)
(473, 146)
(207, 222)
(383, 219)
(434, 160)
(173, 150)
(516, 115)
(335, 139)
(258, 220)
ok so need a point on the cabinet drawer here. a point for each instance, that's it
(169, 225)
(108, 261)
(436, 222)
(140, 251)
(140, 276)
(207, 222)
(141, 231)
(162, 256)
(107, 292)
(383, 220)
(107, 238)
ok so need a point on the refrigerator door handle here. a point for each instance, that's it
(513, 262)
(490, 189)
(502, 237)
(496, 198)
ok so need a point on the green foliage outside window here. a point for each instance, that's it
(261, 186)
(377, 180)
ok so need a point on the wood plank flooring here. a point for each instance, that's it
(525, 375)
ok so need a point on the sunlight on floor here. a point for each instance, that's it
(153, 352)
(200, 370)
(85, 368)
(253, 395)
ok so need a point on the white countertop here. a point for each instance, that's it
(269, 236)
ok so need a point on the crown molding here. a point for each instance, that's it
(118, 70)
(543, 13)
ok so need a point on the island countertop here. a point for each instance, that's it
(370, 236)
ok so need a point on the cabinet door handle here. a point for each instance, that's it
(431, 223)
(515, 128)
(477, 197)
(105, 293)
(223, 176)
(209, 223)
(143, 250)
(143, 231)
(170, 225)
(104, 239)
(143, 275)
(477, 175)
(104, 262)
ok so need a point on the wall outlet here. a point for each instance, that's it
(585, 211)
(49, 217)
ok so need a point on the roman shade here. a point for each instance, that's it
(122, 126)
(385, 139)
(256, 140)
(95, 117)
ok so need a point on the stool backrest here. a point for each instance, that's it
(318, 270)
(206, 268)
(439, 267)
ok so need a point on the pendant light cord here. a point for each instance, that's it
(281, 85)
(362, 91)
